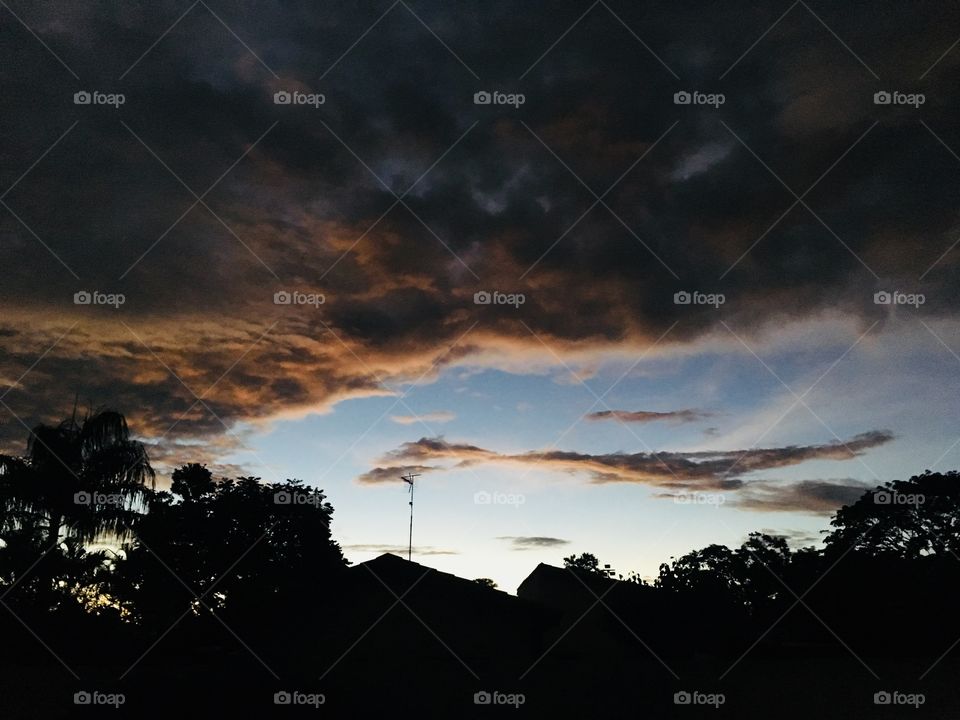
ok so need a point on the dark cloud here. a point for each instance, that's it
(391, 474)
(399, 549)
(646, 416)
(303, 198)
(532, 542)
(437, 416)
(716, 470)
(819, 497)
(795, 538)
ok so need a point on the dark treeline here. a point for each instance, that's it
(232, 589)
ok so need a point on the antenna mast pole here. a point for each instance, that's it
(408, 478)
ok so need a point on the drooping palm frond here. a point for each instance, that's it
(102, 430)
(120, 466)
(20, 503)
(91, 457)
(52, 448)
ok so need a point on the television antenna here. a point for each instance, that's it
(409, 478)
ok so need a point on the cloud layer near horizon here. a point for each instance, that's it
(674, 472)
(646, 416)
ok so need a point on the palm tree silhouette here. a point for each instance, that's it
(80, 480)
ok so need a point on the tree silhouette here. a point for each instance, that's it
(585, 562)
(79, 481)
(254, 544)
(85, 480)
(903, 518)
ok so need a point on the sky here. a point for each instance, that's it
(620, 278)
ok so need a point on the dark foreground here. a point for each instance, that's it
(404, 640)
